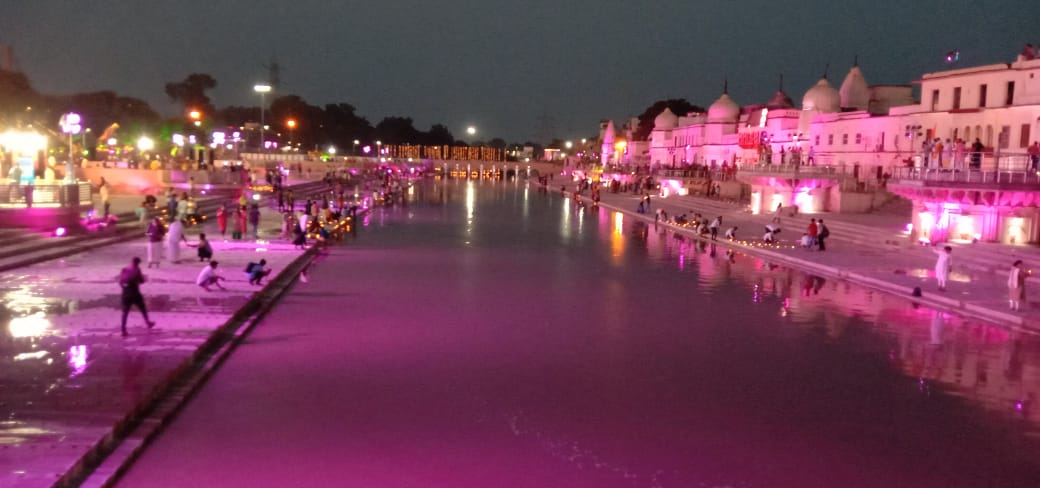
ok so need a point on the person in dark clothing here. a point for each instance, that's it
(822, 235)
(254, 219)
(130, 279)
(976, 154)
(205, 249)
(257, 272)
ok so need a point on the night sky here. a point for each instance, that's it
(516, 70)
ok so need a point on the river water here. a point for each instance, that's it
(486, 334)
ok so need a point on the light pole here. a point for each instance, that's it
(291, 124)
(356, 142)
(263, 90)
(70, 124)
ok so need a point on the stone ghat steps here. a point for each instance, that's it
(33, 247)
(986, 257)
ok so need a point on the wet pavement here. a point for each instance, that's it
(66, 374)
(489, 335)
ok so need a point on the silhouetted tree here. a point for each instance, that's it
(191, 92)
(397, 130)
(438, 135)
(646, 120)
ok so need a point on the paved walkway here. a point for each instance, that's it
(875, 256)
(67, 376)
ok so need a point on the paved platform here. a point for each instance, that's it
(67, 376)
(875, 255)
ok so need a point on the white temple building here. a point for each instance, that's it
(856, 147)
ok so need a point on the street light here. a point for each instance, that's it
(291, 124)
(568, 144)
(471, 130)
(70, 124)
(356, 142)
(263, 90)
(145, 144)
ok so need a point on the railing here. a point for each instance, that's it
(701, 172)
(44, 194)
(1024, 176)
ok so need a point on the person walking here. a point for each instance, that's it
(943, 264)
(222, 219)
(290, 200)
(823, 234)
(1016, 286)
(714, 227)
(155, 234)
(130, 279)
(254, 220)
(174, 236)
(776, 213)
(209, 277)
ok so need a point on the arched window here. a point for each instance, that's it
(989, 136)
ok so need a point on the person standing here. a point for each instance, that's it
(776, 214)
(714, 227)
(959, 153)
(976, 154)
(171, 204)
(182, 207)
(222, 219)
(1016, 286)
(241, 219)
(813, 231)
(943, 264)
(947, 153)
(155, 234)
(174, 236)
(130, 279)
(209, 277)
(1034, 156)
(103, 193)
(823, 234)
(290, 200)
(254, 220)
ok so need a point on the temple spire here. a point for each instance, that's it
(826, 68)
(855, 60)
(780, 86)
(725, 86)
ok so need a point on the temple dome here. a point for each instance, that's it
(822, 97)
(780, 101)
(666, 120)
(724, 110)
(854, 91)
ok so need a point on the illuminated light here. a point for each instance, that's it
(178, 139)
(256, 197)
(471, 130)
(30, 355)
(332, 150)
(366, 149)
(77, 359)
(192, 139)
(762, 119)
(195, 115)
(262, 88)
(25, 143)
(59, 232)
(909, 227)
(291, 123)
(145, 144)
(219, 137)
(30, 326)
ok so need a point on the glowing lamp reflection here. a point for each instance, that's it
(34, 325)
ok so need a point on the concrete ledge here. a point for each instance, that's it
(933, 300)
(99, 466)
